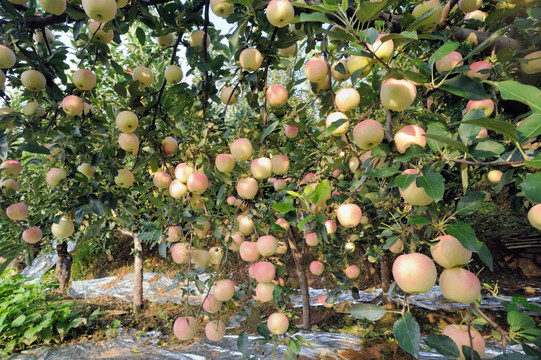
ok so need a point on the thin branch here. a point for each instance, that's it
(495, 326)
(388, 126)
(487, 163)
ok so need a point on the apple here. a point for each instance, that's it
(161, 180)
(126, 121)
(264, 271)
(291, 131)
(33, 80)
(335, 116)
(87, 170)
(449, 62)
(281, 222)
(143, 75)
(267, 245)
(56, 7)
(197, 183)
(349, 246)
(18, 2)
(72, 105)
(448, 252)
(368, 134)
(180, 253)
(215, 329)
(330, 226)
(459, 334)
(8, 186)
(353, 164)
(34, 109)
(322, 299)
(532, 65)
(200, 258)
(124, 179)
(7, 57)
(173, 74)
(311, 239)
(197, 202)
(486, 105)
(459, 285)
(248, 251)
(261, 168)
(433, 20)
(100, 10)
(17, 211)
(349, 215)
(476, 15)
(397, 95)
(276, 94)
(317, 268)
(247, 188)
(216, 255)
(469, 5)
(169, 145)
(246, 224)
(288, 51)
(174, 234)
(494, 176)
(196, 39)
(165, 40)
(250, 59)
(352, 272)
(338, 76)
(177, 189)
(413, 194)
(237, 238)
(97, 33)
(183, 172)
(280, 12)
(224, 290)
(347, 98)
(383, 50)
(63, 229)
(397, 247)
(221, 8)
(414, 273)
(409, 135)
(55, 176)
(32, 235)
(11, 168)
(241, 149)
(483, 133)
(228, 95)
(88, 109)
(211, 304)
(362, 64)
(282, 248)
(478, 66)
(185, 328)
(264, 291)
(280, 164)
(315, 69)
(225, 163)
(278, 323)
(129, 142)
(280, 184)
(534, 216)
(84, 79)
(121, 3)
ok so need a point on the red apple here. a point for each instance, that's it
(276, 94)
(17, 211)
(224, 290)
(241, 149)
(449, 252)
(486, 105)
(264, 291)
(459, 334)
(169, 145)
(11, 168)
(267, 245)
(449, 62)
(311, 239)
(459, 285)
(317, 268)
(478, 66)
(278, 323)
(197, 183)
(247, 188)
(264, 271)
(215, 330)
(291, 131)
(280, 164)
(315, 69)
(225, 163)
(180, 253)
(353, 272)
(211, 304)
(414, 273)
(248, 251)
(349, 215)
(409, 135)
(185, 328)
(32, 235)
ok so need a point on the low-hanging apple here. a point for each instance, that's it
(216, 255)
(211, 304)
(414, 273)
(277, 323)
(32, 235)
(264, 291)
(174, 234)
(317, 268)
(17, 212)
(330, 226)
(311, 239)
(264, 271)
(180, 253)
(63, 229)
(33, 80)
(352, 272)
(534, 216)
(248, 251)
(200, 258)
(185, 328)
(224, 290)
(461, 337)
(215, 329)
(449, 252)
(460, 285)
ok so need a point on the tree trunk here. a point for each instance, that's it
(63, 266)
(371, 269)
(303, 283)
(385, 279)
(137, 274)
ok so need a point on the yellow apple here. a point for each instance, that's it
(126, 121)
(359, 63)
(95, 29)
(413, 194)
(315, 69)
(276, 94)
(469, 5)
(383, 50)
(143, 75)
(534, 216)
(100, 10)
(433, 20)
(532, 64)
(335, 116)
(7, 57)
(165, 40)
(221, 8)
(338, 76)
(56, 7)
(63, 229)
(129, 142)
(250, 59)
(228, 95)
(72, 105)
(288, 51)
(124, 179)
(84, 79)
(409, 135)
(173, 74)
(196, 39)
(38, 37)
(280, 12)
(368, 134)
(449, 62)
(397, 95)
(33, 80)
(347, 98)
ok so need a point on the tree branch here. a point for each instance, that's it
(445, 13)
(388, 126)
(487, 163)
(477, 37)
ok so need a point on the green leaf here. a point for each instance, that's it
(283, 207)
(484, 254)
(322, 191)
(433, 183)
(382, 173)
(314, 17)
(367, 311)
(34, 148)
(96, 206)
(305, 221)
(464, 233)
(502, 127)
(532, 187)
(335, 125)
(408, 334)
(293, 350)
(140, 34)
(531, 126)
(419, 220)
(368, 11)
(18, 321)
(242, 344)
(526, 94)
(403, 181)
(445, 140)
(269, 129)
(470, 203)
(443, 344)
(515, 356)
(443, 50)
(465, 87)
